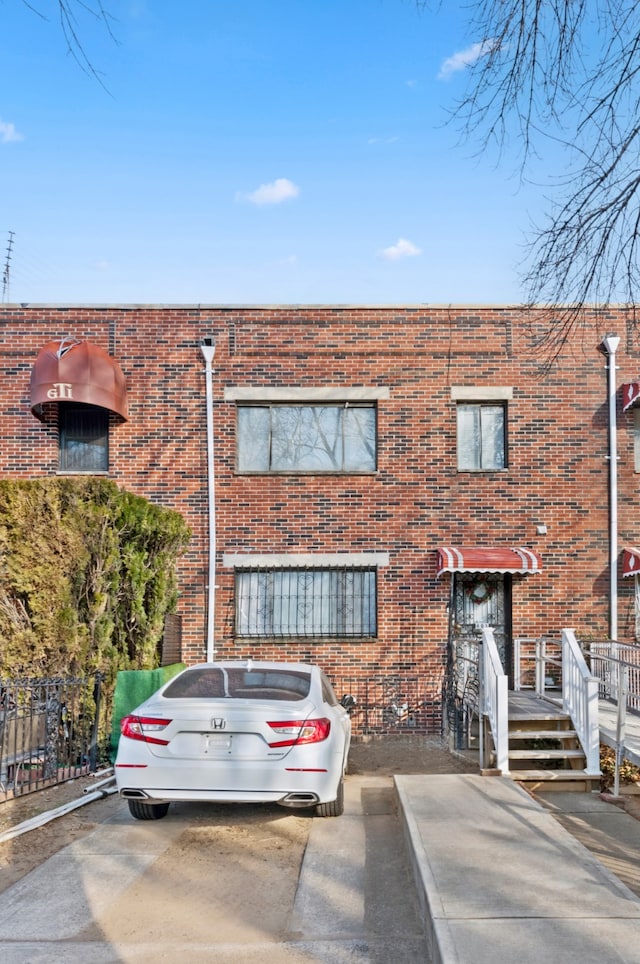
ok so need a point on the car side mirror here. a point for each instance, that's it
(348, 702)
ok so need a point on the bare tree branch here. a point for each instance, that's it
(566, 72)
(69, 13)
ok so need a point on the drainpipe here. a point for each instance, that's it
(208, 349)
(609, 346)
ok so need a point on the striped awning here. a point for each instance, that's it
(487, 559)
(630, 561)
(630, 395)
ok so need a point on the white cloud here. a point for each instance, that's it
(9, 133)
(282, 189)
(465, 58)
(401, 249)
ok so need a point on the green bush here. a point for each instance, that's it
(87, 575)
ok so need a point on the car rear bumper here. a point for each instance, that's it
(247, 784)
(294, 799)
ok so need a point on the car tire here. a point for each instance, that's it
(147, 811)
(334, 808)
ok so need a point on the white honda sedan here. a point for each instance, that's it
(238, 732)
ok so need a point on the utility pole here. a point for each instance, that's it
(6, 273)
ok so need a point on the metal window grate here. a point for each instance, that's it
(306, 603)
(84, 438)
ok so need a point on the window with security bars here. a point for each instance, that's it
(306, 602)
(306, 438)
(481, 437)
(83, 438)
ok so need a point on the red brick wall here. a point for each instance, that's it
(557, 474)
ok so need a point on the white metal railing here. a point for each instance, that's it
(617, 668)
(494, 701)
(537, 666)
(549, 673)
(608, 658)
(580, 699)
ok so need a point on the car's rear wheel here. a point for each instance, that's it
(147, 811)
(334, 808)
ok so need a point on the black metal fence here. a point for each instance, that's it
(389, 705)
(54, 730)
(49, 732)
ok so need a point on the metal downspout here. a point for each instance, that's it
(208, 349)
(609, 346)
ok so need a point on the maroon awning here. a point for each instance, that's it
(77, 371)
(630, 562)
(630, 394)
(487, 559)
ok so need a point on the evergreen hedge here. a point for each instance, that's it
(87, 575)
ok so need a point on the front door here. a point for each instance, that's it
(482, 599)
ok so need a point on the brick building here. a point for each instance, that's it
(383, 480)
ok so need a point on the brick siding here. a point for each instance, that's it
(416, 501)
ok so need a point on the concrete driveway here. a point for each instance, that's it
(232, 884)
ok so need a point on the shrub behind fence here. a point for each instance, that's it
(48, 732)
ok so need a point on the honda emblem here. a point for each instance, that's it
(218, 723)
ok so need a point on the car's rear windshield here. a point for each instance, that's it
(240, 684)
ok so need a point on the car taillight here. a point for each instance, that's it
(143, 728)
(294, 732)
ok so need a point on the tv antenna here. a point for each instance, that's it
(6, 273)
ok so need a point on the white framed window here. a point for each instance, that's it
(481, 414)
(481, 436)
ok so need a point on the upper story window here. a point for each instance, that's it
(83, 438)
(296, 430)
(306, 438)
(481, 428)
(481, 437)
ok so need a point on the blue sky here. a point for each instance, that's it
(250, 151)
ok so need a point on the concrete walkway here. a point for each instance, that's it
(500, 880)
(607, 831)
(608, 713)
